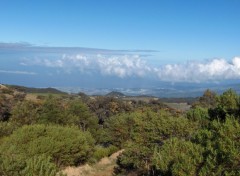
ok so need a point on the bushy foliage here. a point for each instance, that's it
(228, 100)
(208, 100)
(55, 111)
(101, 152)
(212, 151)
(5, 108)
(52, 111)
(105, 107)
(227, 104)
(77, 113)
(6, 128)
(200, 144)
(140, 133)
(65, 145)
(199, 115)
(25, 113)
(148, 127)
(178, 157)
(221, 148)
(40, 166)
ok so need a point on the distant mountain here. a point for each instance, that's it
(115, 94)
(176, 90)
(35, 90)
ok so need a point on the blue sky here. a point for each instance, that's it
(195, 40)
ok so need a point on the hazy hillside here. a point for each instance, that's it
(35, 90)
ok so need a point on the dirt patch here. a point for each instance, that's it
(31, 97)
(104, 167)
(77, 171)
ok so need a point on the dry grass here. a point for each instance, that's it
(104, 167)
(31, 97)
(179, 106)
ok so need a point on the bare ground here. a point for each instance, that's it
(104, 167)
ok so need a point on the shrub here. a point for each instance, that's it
(178, 157)
(101, 152)
(65, 145)
(140, 133)
(6, 128)
(40, 166)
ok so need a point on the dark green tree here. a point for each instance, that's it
(78, 114)
(52, 111)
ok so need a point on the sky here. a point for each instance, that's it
(127, 43)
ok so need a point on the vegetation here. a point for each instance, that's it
(42, 136)
(65, 145)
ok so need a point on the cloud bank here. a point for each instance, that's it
(134, 65)
(214, 70)
(17, 72)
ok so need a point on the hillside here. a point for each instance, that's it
(115, 94)
(104, 136)
(35, 90)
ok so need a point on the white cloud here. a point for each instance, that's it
(134, 66)
(214, 70)
(17, 72)
(121, 65)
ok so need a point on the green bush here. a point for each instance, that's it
(139, 133)
(150, 127)
(6, 128)
(52, 112)
(199, 115)
(77, 113)
(25, 113)
(101, 152)
(221, 148)
(40, 166)
(65, 145)
(178, 157)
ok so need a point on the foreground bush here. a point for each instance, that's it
(212, 151)
(40, 166)
(139, 133)
(65, 145)
(178, 157)
(101, 152)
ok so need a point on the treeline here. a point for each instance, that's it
(204, 141)
(43, 136)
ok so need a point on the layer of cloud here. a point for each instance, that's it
(24, 46)
(17, 72)
(135, 66)
(123, 63)
(214, 70)
(120, 66)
